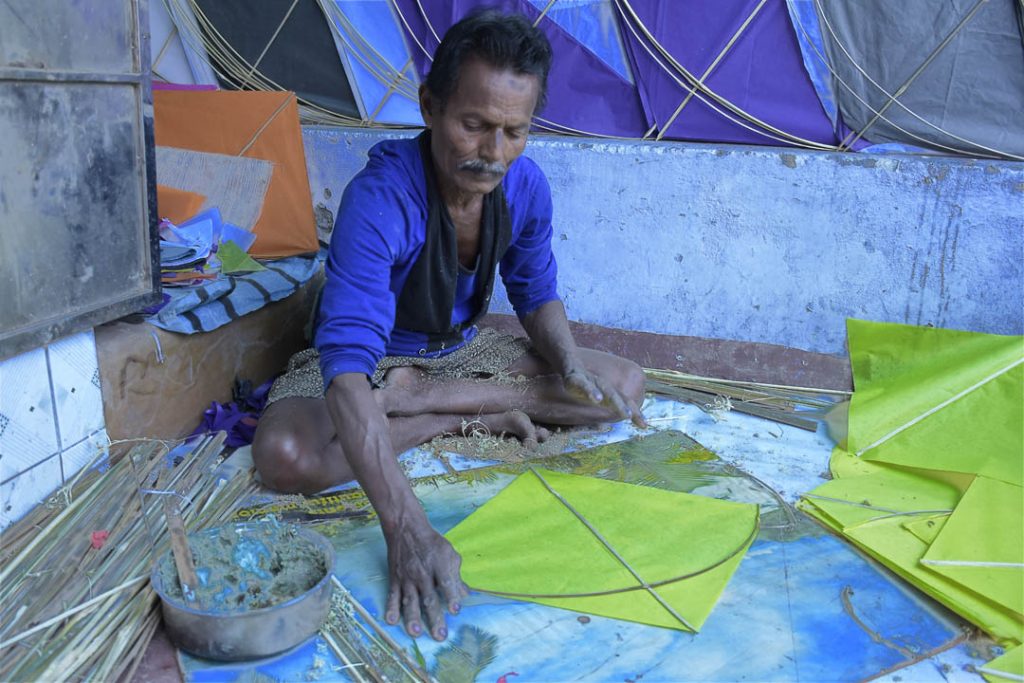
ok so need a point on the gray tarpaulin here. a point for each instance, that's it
(970, 98)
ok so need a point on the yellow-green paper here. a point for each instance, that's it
(526, 544)
(1008, 667)
(930, 481)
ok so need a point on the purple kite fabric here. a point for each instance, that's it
(239, 417)
(762, 73)
(585, 95)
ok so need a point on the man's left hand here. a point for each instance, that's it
(591, 388)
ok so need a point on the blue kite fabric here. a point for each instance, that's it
(724, 71)
(206, 307)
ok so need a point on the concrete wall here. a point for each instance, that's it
(761, 244)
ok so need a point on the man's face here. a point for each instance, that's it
(482, 128)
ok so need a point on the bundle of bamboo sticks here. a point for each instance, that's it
(75, 599)
(795, 406)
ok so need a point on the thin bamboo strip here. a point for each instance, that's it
(81, 545)
(675, 374)
(704, 399)
(9, 568)
(197, 30)
(779, 400)
(12, 593)
(353, 669)
(74, 610)
(336, 631)
(608, 546)
(411, 667)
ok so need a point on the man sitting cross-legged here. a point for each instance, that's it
(420, 235)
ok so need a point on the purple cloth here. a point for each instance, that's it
(378, 234)
(762, 73)
(584, 93)
(239, 417)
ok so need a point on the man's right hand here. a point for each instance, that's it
(423, 568)
(424, 579)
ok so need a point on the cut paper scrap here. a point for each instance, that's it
(234, 260)
(928, 528)
(1007, 667)
(177, 205)
(527, 543)
(982, 545)
(259, 126)
(938, 399)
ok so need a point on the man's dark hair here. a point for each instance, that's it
(504, 41)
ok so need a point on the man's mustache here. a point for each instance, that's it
(481, 166)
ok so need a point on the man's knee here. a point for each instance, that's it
(282, 460)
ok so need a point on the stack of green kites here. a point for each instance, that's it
(929, 481)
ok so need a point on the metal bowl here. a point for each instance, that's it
(249, 634)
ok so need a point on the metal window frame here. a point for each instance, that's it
(19, 340)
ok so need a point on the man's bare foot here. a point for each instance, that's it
(396, 388)
(512, 423)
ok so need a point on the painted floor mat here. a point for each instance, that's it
(803, 605)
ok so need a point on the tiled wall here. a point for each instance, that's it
(51, 421)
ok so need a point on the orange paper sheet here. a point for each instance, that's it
(262, 125)
(176, 205)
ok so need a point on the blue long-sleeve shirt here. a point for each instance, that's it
(378, 233)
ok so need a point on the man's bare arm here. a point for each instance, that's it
(419, 559)
(548, 329)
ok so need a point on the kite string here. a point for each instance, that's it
(597, 534)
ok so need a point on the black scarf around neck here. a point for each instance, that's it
(427, 298)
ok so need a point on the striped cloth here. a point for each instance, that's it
(206, 307)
